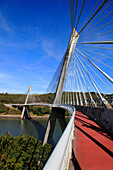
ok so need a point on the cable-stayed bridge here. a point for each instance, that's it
(83, 85)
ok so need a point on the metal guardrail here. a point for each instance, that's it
(59, 159)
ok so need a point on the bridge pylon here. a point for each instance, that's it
(59, 90)
(69, 52)
(25, 111)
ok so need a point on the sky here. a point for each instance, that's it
(33, 38)
(34, 35)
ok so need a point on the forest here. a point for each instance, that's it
(23, 152)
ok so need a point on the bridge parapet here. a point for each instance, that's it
(60, 157)
(102, 115)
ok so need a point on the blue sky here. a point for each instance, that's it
(33, 38)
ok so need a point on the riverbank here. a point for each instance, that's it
(19, 116)
(32, 116)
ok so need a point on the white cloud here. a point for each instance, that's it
(4, 76)
(52, 49)
(9, 90)
(30, 66)
(48, 46)
(4, 24)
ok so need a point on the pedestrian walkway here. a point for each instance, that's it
(93, 146)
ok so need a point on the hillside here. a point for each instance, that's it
(20, 98)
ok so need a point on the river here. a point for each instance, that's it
(33, 127)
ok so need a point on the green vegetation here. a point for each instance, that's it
(45, 98)
(7, 110)
(34, 110)
(70, 96)
(23, 152)
(11, 98)
(20, 98)
(39, 111)
(3, 108)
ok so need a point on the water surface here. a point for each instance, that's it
(34, 128)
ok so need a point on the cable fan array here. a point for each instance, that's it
(89, 79)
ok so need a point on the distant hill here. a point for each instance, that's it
(45, 98)
(20, 98)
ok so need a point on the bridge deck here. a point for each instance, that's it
(94, 147)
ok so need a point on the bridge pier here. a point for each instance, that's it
(56, 113)
(26, 113)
